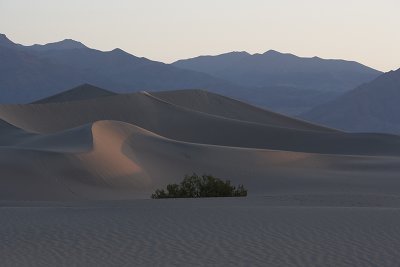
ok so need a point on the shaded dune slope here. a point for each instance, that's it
(219, 105)
(183, 124)
(10, 134)
(69, 140)
(119, 163)
(126, 146)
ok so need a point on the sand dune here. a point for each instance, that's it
(126, 146)
(219, 105)
(73, 174)
(72, 140)
(117, 160)
(183, 124)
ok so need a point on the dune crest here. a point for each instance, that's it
(111, 159)
(126, 146)
(188, 125)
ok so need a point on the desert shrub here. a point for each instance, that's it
(195, 186)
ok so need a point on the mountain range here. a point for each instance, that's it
(28, 73)
(273, 68)
(281, 82)
(318, 90)
(371, 107)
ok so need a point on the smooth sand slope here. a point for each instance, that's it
(126, 146)
(9, 134)
(219, 105)
(183, 124)
(117, 160)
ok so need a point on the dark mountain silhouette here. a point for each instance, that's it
(284, 99)
(82, 92)
(61, 45)
(277, 69)
(29, 73)
(24, 76)
(65, 44)
(4, 41)
(280, 82)
(372, 107)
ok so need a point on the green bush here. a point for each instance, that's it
(195, 186)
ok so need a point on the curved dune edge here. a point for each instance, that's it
(21, 115)
(126, 146)
(133, 162)
(108, 158)
(183, 124)
(123, 161)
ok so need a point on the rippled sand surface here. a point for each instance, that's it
(256, 231)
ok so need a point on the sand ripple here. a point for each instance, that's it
(199, 233)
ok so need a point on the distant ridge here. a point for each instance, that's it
(371, 107)
(60, 45)
(30, 73)
(273, 68)
(280, 82)
(64, 44)
(81, 92)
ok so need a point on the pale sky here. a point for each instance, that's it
(366, 31)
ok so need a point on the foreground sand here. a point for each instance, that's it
(300, 230)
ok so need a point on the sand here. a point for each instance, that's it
(201, 232)
(116, 160)
(66, 151)
(219, 105)
(182, 124)
(76, 178)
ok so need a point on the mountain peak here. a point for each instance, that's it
(71, 42)
(118, 50)
(272, 52)
(66, 44)
(61, 45)
(4, 41)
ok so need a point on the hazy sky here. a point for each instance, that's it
(165, 30)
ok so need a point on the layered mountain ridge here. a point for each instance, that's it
(281, 82)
